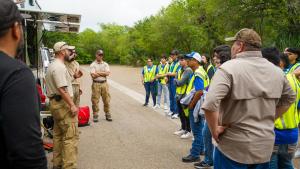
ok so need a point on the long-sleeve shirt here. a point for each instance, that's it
(185, 77)
(246, 91)
(21, 145)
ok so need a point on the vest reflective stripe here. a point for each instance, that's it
(175, 67)
(149, 75)
(209, 67)
(182, 89)
(293, 68)
(163, 72)
(290, 119)
(200, 72)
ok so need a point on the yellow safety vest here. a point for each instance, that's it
(175, 67)
(181, 89)
(149, 75)
(200, 72)
(290, 119)
(163, 71)
(293, 68)
(209, 67)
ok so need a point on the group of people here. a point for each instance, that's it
(63, 90)
(240, 107)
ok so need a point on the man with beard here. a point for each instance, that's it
(63, 109)
(20, 137)
(75, 73)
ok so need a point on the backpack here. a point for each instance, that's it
(83, 116)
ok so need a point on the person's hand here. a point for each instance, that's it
(217, 132)
(74, 110)
(78, 74)
(143, 82)
(166, 79)
(80, 92)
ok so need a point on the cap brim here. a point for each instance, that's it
(71, 47)
(231, 39)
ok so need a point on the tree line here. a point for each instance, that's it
(188, 25)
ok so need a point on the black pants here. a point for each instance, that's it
(185, 122)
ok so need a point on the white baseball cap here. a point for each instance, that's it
(194, 55)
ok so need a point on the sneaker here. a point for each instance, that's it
(174, 116)
(95, 118)
(186, 135)
(179, 132)
(145, 105)
(170, 113)
(202, 165)
(166, 107)
(190, 159)
(156, 106)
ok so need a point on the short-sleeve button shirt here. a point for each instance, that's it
(72, 68)
(58, 76)
(99, 67)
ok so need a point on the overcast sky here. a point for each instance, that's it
(123, 12)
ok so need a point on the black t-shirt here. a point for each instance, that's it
(21, 146)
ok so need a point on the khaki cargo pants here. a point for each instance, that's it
(101, 90)
(65, 135)
(76, 94)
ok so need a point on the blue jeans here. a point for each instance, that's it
(172, 91)
(150, 88)
(197, 145)
(163, 88)
(208, 146)
(222, 162)
(282, 156)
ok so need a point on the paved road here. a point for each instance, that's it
(138, 138)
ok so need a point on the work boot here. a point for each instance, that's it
(108, 118)
(190, 159)
(95, 118)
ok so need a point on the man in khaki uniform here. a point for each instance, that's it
(63, 109)
(75, 73)
(99, 72)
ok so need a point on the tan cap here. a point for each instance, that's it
(248, 36)
(59, 46)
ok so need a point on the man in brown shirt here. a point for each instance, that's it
(245, 96)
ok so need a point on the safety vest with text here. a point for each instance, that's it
(290, 119)
(149, 75)
(162, 71)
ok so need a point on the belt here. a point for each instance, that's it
(99, 81)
